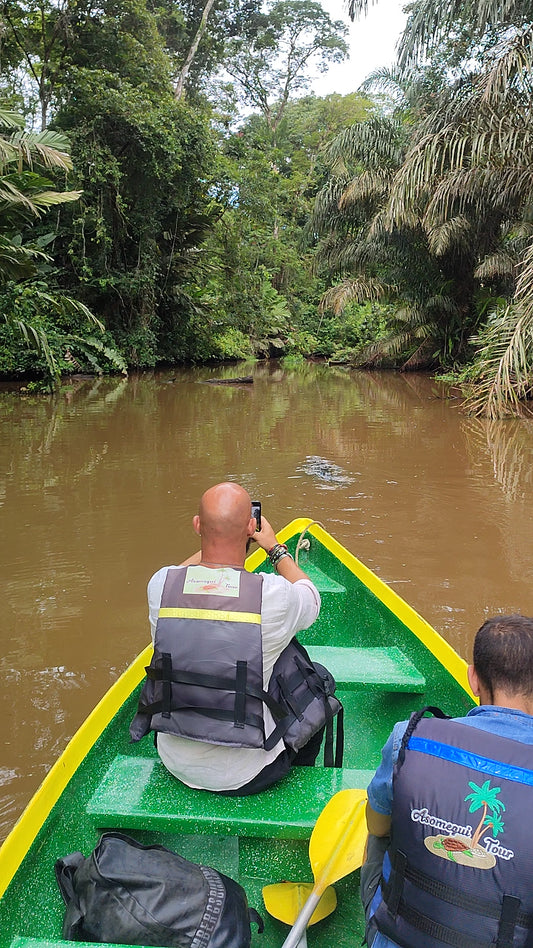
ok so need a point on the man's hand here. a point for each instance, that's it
(286, 567)
(265, 537)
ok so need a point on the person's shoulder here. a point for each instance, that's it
(157, 581)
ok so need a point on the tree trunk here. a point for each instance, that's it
(178, 91)
(479, 830)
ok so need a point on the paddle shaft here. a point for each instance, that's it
(294, 938)
(335, 856)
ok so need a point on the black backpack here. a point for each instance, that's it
(304, 694)
(147, 895)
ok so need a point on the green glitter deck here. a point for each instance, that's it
(384, 672)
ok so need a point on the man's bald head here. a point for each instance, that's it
(225, 514)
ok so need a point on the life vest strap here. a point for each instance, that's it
(253, 720)
(508, 919)
(218, 682)
(508, 912)
(239, 714)
(437, 930)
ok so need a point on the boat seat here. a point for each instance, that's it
(381, 669)
(139, 793)
(25, 941)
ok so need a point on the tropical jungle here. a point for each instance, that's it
(171, 192)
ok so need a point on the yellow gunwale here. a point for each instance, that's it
(34, 816)
(442, 650)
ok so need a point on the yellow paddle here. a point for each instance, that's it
(285, 900)
(336, 848)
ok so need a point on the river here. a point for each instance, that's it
(98, 486)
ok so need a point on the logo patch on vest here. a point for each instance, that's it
(202, 581)
(463, 845)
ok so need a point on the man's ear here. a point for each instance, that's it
(252, 524)
(473, 681)
(196, 525)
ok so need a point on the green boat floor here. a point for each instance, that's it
(138, 792)
(378, 686)
(386, 668)
(348, 919)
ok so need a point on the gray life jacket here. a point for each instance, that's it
(205, 680)
(461, 853)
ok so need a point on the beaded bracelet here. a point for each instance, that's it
(280, 558)
(277, 553)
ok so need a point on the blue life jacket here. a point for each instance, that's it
(461, 840)
(205, 680)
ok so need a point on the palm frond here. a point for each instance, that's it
(367, 187)
(454, 232)
(376, 143)
(504, 358)
(430, 22)
(358, 289)
(10, 120)
(495, 266)
(503, 363)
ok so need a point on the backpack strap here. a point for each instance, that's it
(414, 721)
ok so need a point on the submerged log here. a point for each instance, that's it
(243, 379)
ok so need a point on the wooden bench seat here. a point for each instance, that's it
(139, 793)
(382, 669)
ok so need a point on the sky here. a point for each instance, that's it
(372, 40)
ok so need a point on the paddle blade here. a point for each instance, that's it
(338, 840)
(285, 900)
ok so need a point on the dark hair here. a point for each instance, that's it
(503, 654)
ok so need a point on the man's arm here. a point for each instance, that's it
(378, 823)
(266, 539)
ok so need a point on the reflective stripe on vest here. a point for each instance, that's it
(205, 681)
(252, 618)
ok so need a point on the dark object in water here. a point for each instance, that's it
(325, 471)
(243, 379)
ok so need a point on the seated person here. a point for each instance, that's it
(218, 631)
(450, 850)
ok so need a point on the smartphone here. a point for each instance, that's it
(256, 512)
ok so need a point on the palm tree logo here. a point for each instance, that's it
(467, 850)
(485, 798)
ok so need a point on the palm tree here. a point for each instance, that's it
(374, 256)
(466, 184)
(485, 798)
(25, 196)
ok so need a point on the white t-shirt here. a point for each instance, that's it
(287, 608)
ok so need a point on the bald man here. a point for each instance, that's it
(218, 631)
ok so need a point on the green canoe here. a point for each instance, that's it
(387, 661)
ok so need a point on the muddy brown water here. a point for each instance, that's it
(98, 486)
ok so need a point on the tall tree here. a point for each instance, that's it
(274, 58)
(264, 285)
(465, 183)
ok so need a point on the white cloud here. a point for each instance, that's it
(372, 40)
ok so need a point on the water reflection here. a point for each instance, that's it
(508, 443)
(98, 486)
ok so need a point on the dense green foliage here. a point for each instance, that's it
(187, 238)
(430, 207)
(146, 218)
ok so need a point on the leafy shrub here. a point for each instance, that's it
(232, 344)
